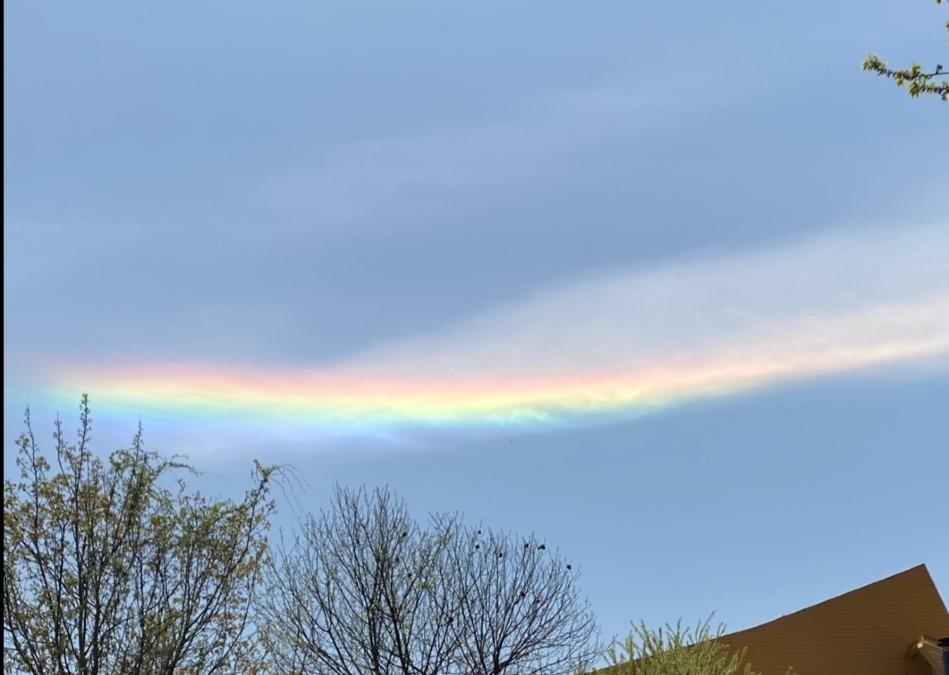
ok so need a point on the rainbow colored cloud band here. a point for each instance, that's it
(351, 400)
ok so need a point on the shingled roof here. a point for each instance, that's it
(885, 628)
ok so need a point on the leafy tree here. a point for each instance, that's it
(674, 650)
(366, 589)
(916, 79)
(106, 570)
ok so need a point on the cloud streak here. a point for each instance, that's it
(378, 184)
(805, 293)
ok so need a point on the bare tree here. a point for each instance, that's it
(107, 571)
(519, 606)
(365, 589)
(360, 592)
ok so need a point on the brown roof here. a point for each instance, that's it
(869, 631)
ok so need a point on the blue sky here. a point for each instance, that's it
(301, 184)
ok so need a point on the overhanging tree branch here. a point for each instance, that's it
(916, 80)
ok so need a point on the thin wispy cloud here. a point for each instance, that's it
(382, 184)
(697, 307)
